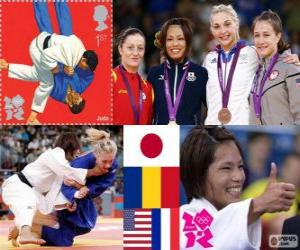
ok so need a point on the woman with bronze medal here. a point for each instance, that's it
(231, 69)
(275, 95)
(132, 95)
(179, 84)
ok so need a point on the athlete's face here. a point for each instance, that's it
(224, 29)
(225, 176)
(265, 39)
(73, 98)
(175, 43)
(104, 160)
(132, 52)
(83, 64)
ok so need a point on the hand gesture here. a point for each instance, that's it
(292, 59)
(83, 192)
(278, 196)
(72, 207)
(72, 183)
(69, 70)
(55, 70)
(3, 64)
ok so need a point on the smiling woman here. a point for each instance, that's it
(212, 174)
(132, 95)
(179, 84)
(231, 68)
(275, 96)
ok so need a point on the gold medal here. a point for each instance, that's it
(172, 122)
(224, 116)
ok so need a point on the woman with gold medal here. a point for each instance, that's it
(179, 84)
(231, 70)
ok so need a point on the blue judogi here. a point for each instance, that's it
(84, 218)
(81, 79)
(79, 82)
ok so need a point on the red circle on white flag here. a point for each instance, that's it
(151, 145)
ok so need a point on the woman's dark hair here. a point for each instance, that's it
(276, 23)
(197, 153)
(69, 142)
(77, 108)
(91, 59)
(128, 32)
(186, 26)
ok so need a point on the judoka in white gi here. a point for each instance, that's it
(48, 52)
(24, 192)
(83, 216)
(212, 174)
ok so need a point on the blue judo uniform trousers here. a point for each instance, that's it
(84, 218)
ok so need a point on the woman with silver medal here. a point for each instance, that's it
(132, 95)
(231, 69)
(179, 84)
(275, 95)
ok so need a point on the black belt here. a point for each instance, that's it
(46, 41)
(24, 179)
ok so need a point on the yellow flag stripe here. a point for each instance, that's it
(151, 186)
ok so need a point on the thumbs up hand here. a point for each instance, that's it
(277, 197)
(273, 174)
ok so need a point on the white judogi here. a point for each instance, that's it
(229, 228)
(238, 104)
(64, 49)
(46, 176)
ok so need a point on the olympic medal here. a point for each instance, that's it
(172, 122)
(258, 121)
(224, 116)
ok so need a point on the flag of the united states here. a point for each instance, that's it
(137, 229)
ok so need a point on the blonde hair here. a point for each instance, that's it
(230, 11)
(101, 141)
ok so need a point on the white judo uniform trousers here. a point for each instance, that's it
(229, 227)
(46, 176)
(67, 50)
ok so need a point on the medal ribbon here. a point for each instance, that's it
(259, 86)
(226, 89)
(173, 109)
(137, 111)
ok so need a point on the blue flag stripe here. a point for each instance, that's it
(132, 187)
(156, 229)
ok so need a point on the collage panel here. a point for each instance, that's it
(61, 186)
(151, 187)
(149, 114)
(56, 62)
(206, 62)
(240, 187)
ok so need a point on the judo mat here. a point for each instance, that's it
(107, 235)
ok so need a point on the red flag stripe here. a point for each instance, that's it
(174, 225)
(170, 187)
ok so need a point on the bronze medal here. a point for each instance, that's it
(224, 116)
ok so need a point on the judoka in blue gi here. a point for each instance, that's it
(61, 63)
(83, 219)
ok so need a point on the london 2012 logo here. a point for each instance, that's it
(196, 229)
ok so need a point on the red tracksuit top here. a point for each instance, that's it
(122, 110)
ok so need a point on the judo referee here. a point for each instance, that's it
(51, 54)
